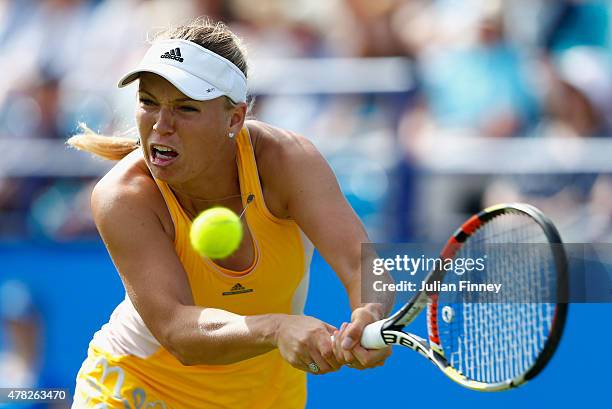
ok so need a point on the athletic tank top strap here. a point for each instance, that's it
(176, 210)
(250, 183)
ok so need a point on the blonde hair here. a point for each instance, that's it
(215, 37)
(107, 147)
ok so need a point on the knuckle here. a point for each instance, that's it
(327, 353)
(355, 326)
(364, 314)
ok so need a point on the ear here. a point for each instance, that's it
(237, 115)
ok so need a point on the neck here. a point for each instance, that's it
(218, 185)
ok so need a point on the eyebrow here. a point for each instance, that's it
(186, 99)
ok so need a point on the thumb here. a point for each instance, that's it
(352, 334)
(359, 319)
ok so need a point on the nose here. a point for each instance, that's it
(165, 121)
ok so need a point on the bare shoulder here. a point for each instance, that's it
(283, 158)
(271, 140)
(128, 190)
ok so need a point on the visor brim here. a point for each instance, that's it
(192, 86)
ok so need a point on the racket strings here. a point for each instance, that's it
(492, 341)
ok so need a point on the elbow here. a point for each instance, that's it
(186, 360)
(183, 357)
(188, 354)
(187, 357)
(175, 344)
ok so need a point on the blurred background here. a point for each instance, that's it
(428, 111)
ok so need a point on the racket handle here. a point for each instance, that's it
(371, 338)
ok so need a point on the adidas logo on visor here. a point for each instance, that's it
(174, 54)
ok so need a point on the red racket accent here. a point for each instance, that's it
(432, 320)
(471, 225)
(450, 249)
(448, 252)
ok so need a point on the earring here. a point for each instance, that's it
(231, 135)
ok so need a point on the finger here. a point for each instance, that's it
(346, 354)
(327, 352)
(354, 331)
(322, 365)
(343, 327)
(330, 328)
(301, 360)
(337, 348)
(371, 358)
(351, 334)
(357, 366)
(338, 351)
(351, 359)
(300, 364)
(359, 319)
(361, 355)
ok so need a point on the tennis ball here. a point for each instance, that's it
(216, 233)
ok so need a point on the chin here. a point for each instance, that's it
(169, 174)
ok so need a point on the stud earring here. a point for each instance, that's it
(231, 135)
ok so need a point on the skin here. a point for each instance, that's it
(137, 229)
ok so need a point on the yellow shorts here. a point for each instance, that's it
(127, 382)
(104, 385)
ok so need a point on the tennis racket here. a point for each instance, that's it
(491, 346)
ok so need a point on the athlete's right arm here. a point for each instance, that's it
(155, 280)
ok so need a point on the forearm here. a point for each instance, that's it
(381, 303)
(358, 287)
(216, 337)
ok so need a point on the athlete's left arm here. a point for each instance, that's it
(312, 197)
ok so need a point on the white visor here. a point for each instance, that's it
(195, 71)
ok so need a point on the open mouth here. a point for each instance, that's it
(162, 155)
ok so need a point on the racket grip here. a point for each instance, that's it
(371, 338)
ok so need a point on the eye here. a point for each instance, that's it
(146, 101)
(187, 108)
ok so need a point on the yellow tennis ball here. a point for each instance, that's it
(216, 232)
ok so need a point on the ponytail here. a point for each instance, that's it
(107, 147)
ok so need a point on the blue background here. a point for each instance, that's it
(77, 288)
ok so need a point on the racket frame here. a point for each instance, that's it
(389, 331)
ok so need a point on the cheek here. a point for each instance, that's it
(144, 122)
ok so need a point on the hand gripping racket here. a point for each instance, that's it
(491, 346)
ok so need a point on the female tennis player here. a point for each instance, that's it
(198, 333)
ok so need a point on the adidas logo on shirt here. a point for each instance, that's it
(174, 54)
(238, 289)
